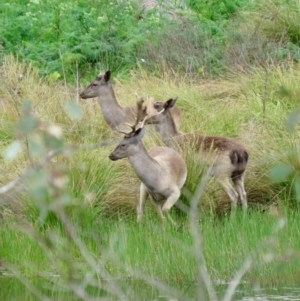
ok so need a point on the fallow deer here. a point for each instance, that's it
(115, 115)
(161, 170)
(226, 156)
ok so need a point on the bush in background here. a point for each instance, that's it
(203, 39)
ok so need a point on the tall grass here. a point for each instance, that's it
(93, 234)
(232, 108)
(129, 251)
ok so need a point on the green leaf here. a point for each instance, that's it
(13, 150)
(36, 147)
(73, 110)
(280, 172)
(53, 77)
(52, 142)
(296, 188)
(292, 120)
(72, 58)
(37, 185)
(27, 124)
(65, 200)
(26, 107)
(53, 137)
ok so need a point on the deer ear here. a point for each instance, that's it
(139, 134)
(170, 103)
(107, 75)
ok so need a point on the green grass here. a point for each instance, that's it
(100, 196)
(127, 250)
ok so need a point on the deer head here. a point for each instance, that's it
(92, 90)
(129, 145)
(163, 108)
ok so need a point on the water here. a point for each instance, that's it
(35, 289)
(271, 294)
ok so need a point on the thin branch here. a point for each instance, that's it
(237, 278)
(28, 286)
(81, 293)
(239, 274)
(202, 271)
(14, 97)
(44, 161)
(264, 94)
(150, 280)
(4, 189)
(69, 230)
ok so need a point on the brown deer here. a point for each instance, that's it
(161, 170)
(227, 157)
(115, 115)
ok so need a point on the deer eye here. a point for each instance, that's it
(95, 84)
(122, 146)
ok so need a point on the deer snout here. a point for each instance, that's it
(112, 157)
(82, 95)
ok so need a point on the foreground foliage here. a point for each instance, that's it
(72, 213)
(135, 257)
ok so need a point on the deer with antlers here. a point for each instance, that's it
(115, 115)
(161, 170)
(226, 156)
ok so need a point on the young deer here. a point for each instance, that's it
(161, 170)
(227, 157)
(115, 115)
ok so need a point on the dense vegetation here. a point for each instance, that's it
(68, 226)
(199, 38)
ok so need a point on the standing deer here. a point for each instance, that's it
(227, 157)
(161, 170)
(115, 115)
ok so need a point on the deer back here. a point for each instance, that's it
(173, 167)
(226, 154)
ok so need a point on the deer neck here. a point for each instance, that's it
(167, 128)
(112, 112)
(145, 167)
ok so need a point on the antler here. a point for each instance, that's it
(150, 111)
(141, 112)
(144, 113)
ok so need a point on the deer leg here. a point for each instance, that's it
(171, 200)
(170, 219)
(158, 209)
(239, 184)
(233, 195)
(141, 206)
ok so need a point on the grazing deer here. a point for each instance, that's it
(161, 170)
(115, 115)
(227, 157)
